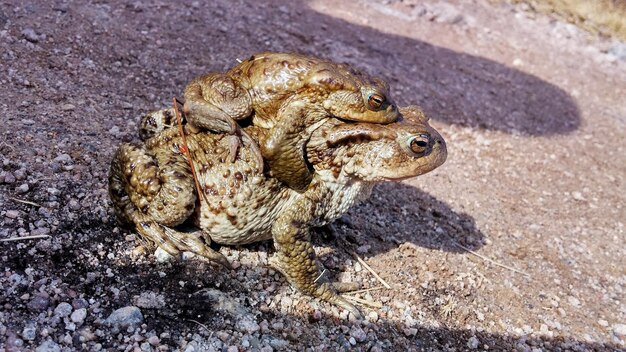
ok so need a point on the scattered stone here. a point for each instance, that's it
(125, 317)
(12, 214)
(73, 204)
(149, 300)
(23, 188)
(619, 330)
(154, 340)
(39, 302)
(603, 323)
(8, 178)
(248, 324)
(30, 35)
(224, 303)
(48, 346)
(573, 301)
(29, 332)
(279, 343)
(68, 107)
(63, 309)
(64, 158)
(358, 334)
(473, 343)
(78, 316)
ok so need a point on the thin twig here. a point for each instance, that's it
(199, 323)
(186, 149)
(34, 237)
(364, 290)
(370, 270)
(486, 258)
(25, 201)
(364, 302)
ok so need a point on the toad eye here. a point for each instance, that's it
(419, 143)
(375, 101)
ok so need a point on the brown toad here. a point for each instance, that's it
(285, 93)
(152, 189)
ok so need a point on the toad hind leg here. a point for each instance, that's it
(295, 257)
(173, 241)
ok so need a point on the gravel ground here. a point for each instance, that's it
(533, 112)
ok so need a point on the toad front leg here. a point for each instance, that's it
(295, 257)
(215, 102)
(284, 147)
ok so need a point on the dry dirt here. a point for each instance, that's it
(533, 111)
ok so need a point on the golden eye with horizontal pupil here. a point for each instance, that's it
(375, 101)
(419, 143)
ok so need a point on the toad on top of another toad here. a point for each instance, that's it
(285, 93)
(152, 188)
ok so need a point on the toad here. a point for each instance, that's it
(284, 93)
(152, 189)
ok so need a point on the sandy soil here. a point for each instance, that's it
(533, 111)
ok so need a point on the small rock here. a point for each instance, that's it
(358, 334)
(248, 324)
(48, 346)
(619, 330)
(9, 178)
(63, 309)
(68, 107)
(125, 317)
(29, 332)
(573, 301)
(162, 256)
(154, 340)
(149, 300)
(30, 35)
(73, 204)
(603, 323)
(473, 343)
(279, 343)
(64, 158)
(12, 214)
(39, 303)
(23, 188)
(79, 315)
(224, 303)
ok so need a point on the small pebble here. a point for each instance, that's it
(23, 188)
(63, 309)
(30, 35)
(154, 340)
(125, 317)
(48, 346)
(68, 107)
(473, 343)
(29, 332)
(619, 330)
(78, 316)
(12, 214)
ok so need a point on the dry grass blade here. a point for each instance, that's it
(364, 290)
(364, 302)
(34, 237)
(25, 202)
(202, 325)
(380, 279)
(486, 258)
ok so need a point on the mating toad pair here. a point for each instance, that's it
(317, 137)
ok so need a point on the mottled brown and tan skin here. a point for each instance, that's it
(285, 93)
(152, 189)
